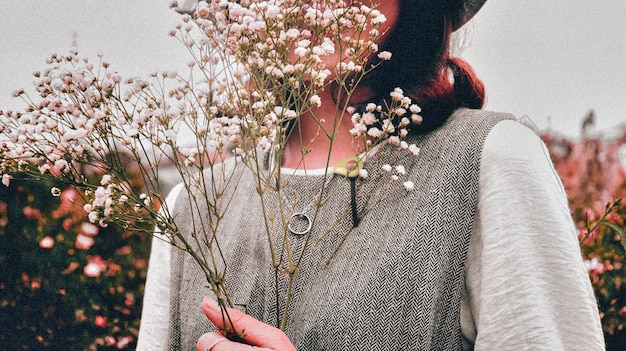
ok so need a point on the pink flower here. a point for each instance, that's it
(84, 242)
(123, 342)
(594, 266)
(71, 268)
(124, 250)
(89, 229)
(31, 213)
(109, 340)
(46, 243)
(130, 300)
(101, 321)
(94, 266)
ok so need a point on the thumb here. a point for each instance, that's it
(253, 331)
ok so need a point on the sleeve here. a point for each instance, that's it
(526, 285)
(155, 315)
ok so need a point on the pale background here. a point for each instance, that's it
(551, 60)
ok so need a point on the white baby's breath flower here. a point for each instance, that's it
(394, 178)
(358, 130)
(408, 185)
(301, 51)
(388, 126)
(413, 149)
(397, 94)
(315, 101)
(6, 179)
(44, 168)
(61, 165)
(374, 132)
(400, 169)
(370, 107)
(387, 168)
(106, 179)
(378, 18)
(384, 55)
(56, 192)
(400, 111)
(363, 173)
(405, 102)
(93, 216)
(369, 118)
(394, 140)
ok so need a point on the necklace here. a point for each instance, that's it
(303, 221)
(300, 223)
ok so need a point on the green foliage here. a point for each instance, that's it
(51, 297)
(603, 246)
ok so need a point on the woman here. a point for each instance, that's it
(481, 255)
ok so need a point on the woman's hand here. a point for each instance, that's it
(257, 334)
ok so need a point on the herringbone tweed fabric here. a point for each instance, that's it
(395, 283)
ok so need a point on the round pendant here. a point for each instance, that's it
(299, 224)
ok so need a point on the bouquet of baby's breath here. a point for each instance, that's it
(256, 67)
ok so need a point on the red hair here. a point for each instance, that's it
(422, 66)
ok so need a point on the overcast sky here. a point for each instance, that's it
(551, 60)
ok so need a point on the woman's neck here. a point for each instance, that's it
(321, 137)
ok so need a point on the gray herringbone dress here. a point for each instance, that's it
(395, 283)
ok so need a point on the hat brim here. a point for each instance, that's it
(467, 11)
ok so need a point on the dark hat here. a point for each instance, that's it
(467, 10)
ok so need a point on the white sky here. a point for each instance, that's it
(549, 60)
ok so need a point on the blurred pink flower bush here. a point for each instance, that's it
(65, 283)
(593, 174)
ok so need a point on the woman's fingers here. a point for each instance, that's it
(255, 332)
(209, 341)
